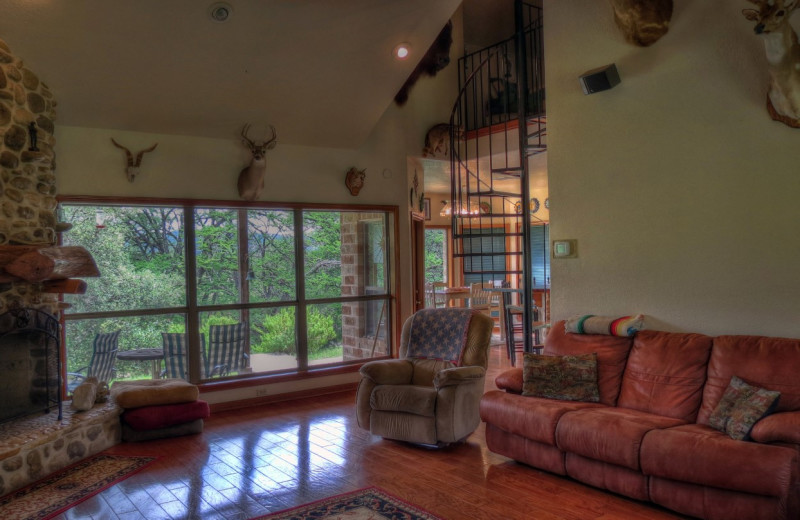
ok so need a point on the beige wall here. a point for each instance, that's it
(681, 191)
(203, 168)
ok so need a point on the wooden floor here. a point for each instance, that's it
(260, 460)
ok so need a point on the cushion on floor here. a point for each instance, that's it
(152, 392)
(162, 416)
(131, 435)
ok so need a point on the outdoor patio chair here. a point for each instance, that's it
(101, 364)
(226, 349)
(176, 359)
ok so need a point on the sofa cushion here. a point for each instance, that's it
(701, 455)
(770, 363)
(665, 374)
(534, 418)
(571, 378)
(740, 407)
(612, 352)
(591, 324)
(778, 427)
(510, 380)
(417, 400)
(611, 435)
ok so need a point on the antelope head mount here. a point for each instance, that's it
(783, 57)
(642, 22)
(132, 169)
(251, 178)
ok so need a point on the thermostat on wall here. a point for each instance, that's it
(564, 249)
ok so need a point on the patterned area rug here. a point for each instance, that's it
(364, 504)
(67, 487)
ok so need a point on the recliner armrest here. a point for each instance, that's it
(458, 376)
(778, 427)
(388, 371)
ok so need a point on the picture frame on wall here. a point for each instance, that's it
(426, 208)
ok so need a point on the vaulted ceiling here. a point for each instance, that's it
(320, 71)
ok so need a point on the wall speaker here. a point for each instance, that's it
(599, 79)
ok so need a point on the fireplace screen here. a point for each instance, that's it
(30, 371)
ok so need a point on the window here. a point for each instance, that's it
(313, 286)
(490, 264)
(436, 255)
(540, 256)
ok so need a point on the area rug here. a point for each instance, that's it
(364, 504)
(69, 486)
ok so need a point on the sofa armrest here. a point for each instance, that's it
(778, 427)
(388, 371)
(458, 376)
(510, 381)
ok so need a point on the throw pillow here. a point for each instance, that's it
(570, 378)
(741, 406)
(591, 324)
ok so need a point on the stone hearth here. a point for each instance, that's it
(37, 445)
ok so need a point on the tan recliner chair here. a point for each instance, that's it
(431, 394)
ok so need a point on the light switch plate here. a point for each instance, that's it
(564, 248)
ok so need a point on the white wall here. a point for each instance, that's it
(681, 191)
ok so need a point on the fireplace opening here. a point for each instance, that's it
(30, 367)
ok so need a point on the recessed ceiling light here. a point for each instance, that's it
(402, 51)
(220, 11)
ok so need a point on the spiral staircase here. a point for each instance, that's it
(501, 121)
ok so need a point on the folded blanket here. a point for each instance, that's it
(591, 324)
(162, 416)
(151, 392)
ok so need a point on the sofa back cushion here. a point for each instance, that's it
(770, 363)
(612, 351)
(665, 374)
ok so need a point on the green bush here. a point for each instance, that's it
(278, 333)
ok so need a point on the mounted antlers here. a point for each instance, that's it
(783, 57)
(642, 22)
(132, 170)
(251, 179)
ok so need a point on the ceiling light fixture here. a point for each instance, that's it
(220, 11)
(402, 51)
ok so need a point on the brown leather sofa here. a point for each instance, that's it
(649, 436)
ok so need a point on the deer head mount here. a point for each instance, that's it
(132, 169)
(251, 178)
(783, 57)
(436, 58)
(642, 22)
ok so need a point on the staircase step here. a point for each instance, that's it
(493, 193)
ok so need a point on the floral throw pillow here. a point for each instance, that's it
(570, 378)
(741, 406)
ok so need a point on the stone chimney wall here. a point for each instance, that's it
(27, 179)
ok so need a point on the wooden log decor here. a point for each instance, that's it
(35, 264)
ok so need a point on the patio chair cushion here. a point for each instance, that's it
(151, 392)
(162, 416)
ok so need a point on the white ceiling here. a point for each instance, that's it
(320, 71)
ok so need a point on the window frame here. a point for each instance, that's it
(192, 310)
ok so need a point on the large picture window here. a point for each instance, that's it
(238, 291)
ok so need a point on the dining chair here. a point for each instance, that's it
(176, 358)
(439, 298)
(226, 349)
(101, 364)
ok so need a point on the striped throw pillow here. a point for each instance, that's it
(591, 324)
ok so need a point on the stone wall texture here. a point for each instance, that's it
(27, 165)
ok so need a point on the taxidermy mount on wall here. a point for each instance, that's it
(437, 140)
(132, 169)
(251, 178)
(435, 59)
(783, 57)
(642, 22)
(354, 180)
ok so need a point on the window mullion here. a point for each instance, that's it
(192, 317)
(301, 326)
